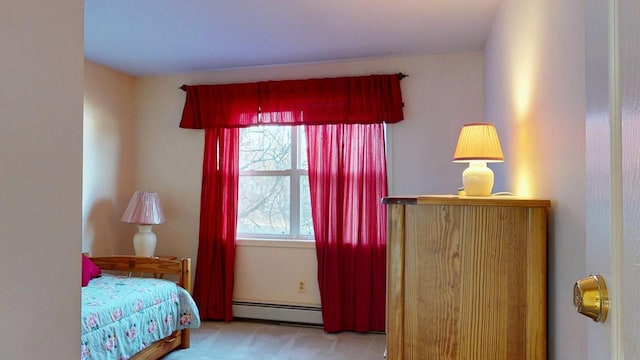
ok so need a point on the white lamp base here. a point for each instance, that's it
(477, 179)
(144, 241)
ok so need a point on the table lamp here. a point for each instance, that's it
(477, 145)
(144, 209)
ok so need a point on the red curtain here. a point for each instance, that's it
(220, 106)
(348, 178)
(213, 286)
(346, 100)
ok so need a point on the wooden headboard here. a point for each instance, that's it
(141, 265)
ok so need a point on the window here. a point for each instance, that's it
(273, 194)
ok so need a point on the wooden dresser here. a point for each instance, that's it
(466, 278)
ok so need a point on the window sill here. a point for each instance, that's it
(277, 243)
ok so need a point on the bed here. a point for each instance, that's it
(131, 311)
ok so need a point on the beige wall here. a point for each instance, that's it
(40, 178)
(108, 157)
(534, 70)
(535, 93)
(441, 93)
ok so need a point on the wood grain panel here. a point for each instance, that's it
(395, 281)
(465, 200)
(473, 278)
(536, 339)
(432, 291)
(138, 264)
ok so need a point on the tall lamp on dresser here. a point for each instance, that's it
(466, 278)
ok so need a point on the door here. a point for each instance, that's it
(613, 171)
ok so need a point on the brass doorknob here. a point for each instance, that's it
(590, 297)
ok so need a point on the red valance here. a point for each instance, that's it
(345, 100)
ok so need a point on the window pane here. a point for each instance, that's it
(265, 148)
(263, 205)
(306, 222)
(302, 154)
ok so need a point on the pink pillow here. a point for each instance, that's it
(89, 270)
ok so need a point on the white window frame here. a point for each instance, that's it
(294, 174)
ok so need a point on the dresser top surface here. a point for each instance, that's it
(501, 200)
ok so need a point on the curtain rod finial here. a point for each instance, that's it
(401, 75)
(183, 88)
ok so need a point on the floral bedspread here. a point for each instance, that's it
(123, 315)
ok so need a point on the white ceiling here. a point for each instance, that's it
(151, 37)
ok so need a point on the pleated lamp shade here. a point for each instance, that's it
(478, 141)
(144, 208)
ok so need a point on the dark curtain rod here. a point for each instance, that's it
(399, 75)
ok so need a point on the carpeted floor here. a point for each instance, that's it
(261, 341)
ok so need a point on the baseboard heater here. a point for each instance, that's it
(277, 312)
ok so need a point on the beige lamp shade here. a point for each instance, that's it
(478, 141)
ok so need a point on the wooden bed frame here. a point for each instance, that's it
(156, 267)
